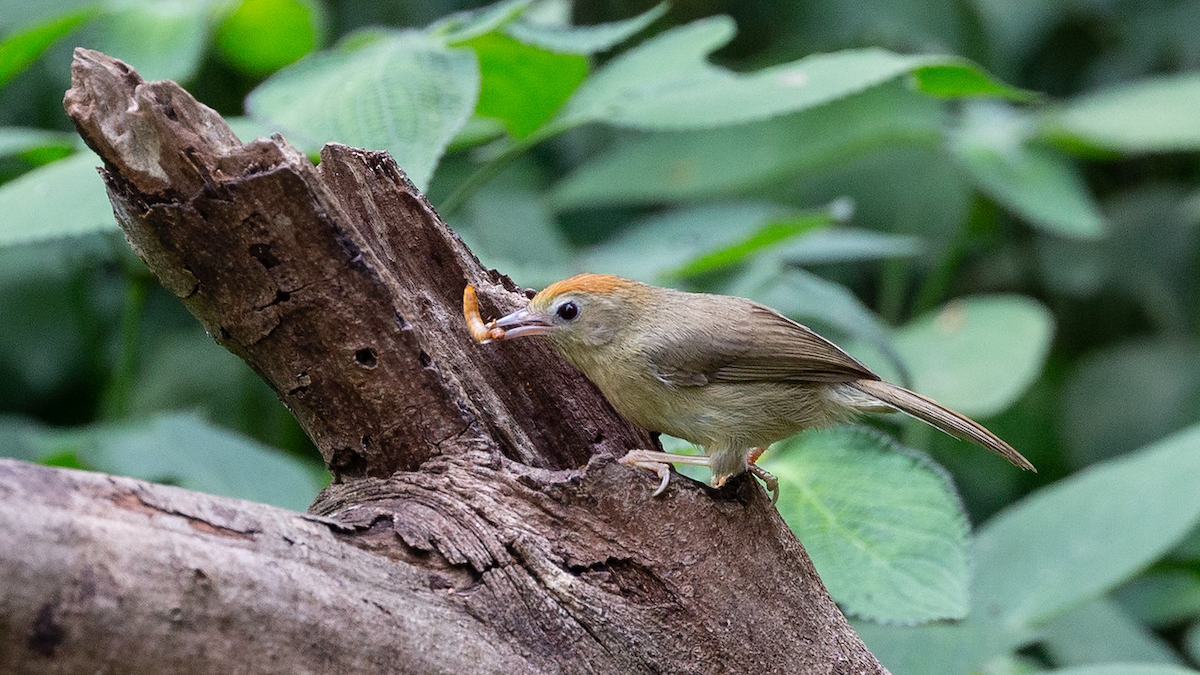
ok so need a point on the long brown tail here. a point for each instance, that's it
(933, 413)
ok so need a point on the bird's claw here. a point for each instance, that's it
(639, 459)
(768, 479)
(664, 473)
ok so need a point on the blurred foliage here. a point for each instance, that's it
(996, 203)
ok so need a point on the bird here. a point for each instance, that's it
(724, 373)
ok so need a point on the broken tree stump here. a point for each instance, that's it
(477, 522)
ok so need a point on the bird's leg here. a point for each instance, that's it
(762, 474)
(768, 479)
(660, 463)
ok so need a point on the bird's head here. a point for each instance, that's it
(578, 314)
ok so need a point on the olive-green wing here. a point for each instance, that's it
(748, 342)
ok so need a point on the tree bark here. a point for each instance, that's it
(477, 522)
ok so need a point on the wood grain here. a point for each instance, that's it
(478, 522)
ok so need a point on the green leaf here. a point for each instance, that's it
(1147, 255)
(702, 164)
(1162, 598)
(163, 40)
(1102, 632)
(404, 92)
(1191, 642)
(18, 15)
(1035, 183)
(247, 128)
(61, 199)
(180, 449)
(1189, 548)
(261, 36)
(188, 371)
(848, 244)
(24, 141)
(1058, 549)
(1155, 115)
(882, 524)
(651, 248)
(189, 452)
(958, 647)
(1074, 268)
(704, 239)
(910, 188)
(523, 85)
(52, 288)
(19, 439)
(977, 355)
(957, 78)
(770, 234)
(1073, 541)
(581, 39)
(1014, 29)
(1011, 664)
(1152, 250)
(1126, 395)
(462, 26)
(19, 51)
(477, 131)
(1125, 669)
(667, 83)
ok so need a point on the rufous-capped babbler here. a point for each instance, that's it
(724, 373)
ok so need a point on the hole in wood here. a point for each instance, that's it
(262, 253)
(347, 462)
(366, 357)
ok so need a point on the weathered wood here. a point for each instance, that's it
(112, 575)
(460, 536)
(473, 565)
(338, 284)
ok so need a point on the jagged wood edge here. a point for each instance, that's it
(574, 570)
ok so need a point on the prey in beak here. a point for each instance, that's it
(520, 322)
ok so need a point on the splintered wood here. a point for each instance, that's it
(482, 332)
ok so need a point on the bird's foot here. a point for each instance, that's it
(660, 463)
(762, 474)
(768, 479)
(636, 458)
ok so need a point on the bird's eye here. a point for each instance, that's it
(568, 311)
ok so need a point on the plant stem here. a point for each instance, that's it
(120, 384)
(892, 288)
(933, 290)
(982, 221)
(493, 167)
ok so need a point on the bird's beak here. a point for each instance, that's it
(520, 323)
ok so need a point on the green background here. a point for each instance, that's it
(996, 204)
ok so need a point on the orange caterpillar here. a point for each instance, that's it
(482, 332)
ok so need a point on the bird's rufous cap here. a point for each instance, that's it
(585, 283)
